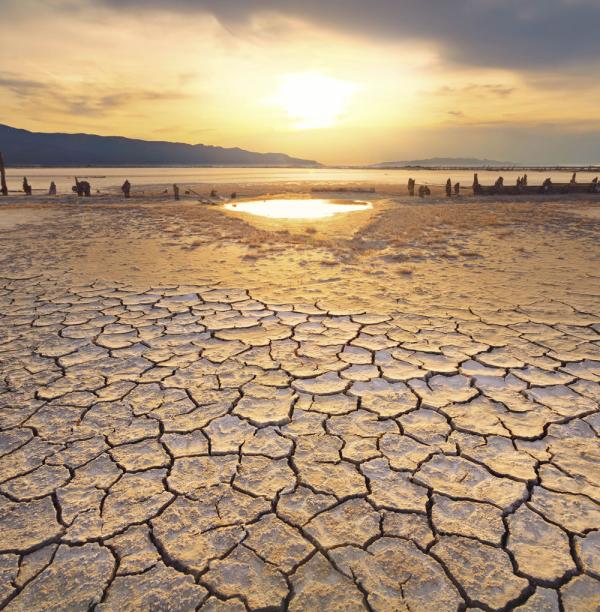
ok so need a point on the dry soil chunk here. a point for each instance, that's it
(317, 585)
(245, 574)
(541, 550)
(582, 593)
(160, 588)
(588, 551)
(27, 524)
(353, 522)
(543, 600)
(277, 542)
(485, 572)
(397, 576)
(457, 477)
(75, 580)
(470, 519)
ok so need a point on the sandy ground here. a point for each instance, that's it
(501, 251)
(395, 409)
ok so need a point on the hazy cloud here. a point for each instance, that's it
(511, 33)
(20, 86)
(475, 90)
(89, 103)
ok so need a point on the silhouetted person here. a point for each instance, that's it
(424, 191)
(52, 190)
(449, 188)
(26, 186)
(476, 185)
(3, 185)
(233, 195)
(411, 186)
(126, 188)
(524, 181)
(213, 193)
(574, 178)
(82, 188)
(176, 191)
(457, 189)
(499, 184)
(547, 185)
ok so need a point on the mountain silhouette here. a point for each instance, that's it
(24, 148)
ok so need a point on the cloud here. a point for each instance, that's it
(478, 90)
(502, 33)
(19, 86)
(85, 100)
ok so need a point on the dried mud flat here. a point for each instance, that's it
(175, 435)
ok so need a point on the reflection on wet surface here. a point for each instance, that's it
(298, 209)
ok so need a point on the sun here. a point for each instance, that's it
(313, 100)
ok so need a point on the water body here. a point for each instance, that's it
(110, 179)
(298, 208)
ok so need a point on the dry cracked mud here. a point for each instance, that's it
(192, 447)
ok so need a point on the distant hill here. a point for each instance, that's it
(446, 162)
(24, 148)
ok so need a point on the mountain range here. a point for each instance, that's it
(446, 162)
(24, 148)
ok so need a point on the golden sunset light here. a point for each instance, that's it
(300, 305)
(313, 100)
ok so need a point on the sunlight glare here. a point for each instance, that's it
(298, 209)
(313, 100)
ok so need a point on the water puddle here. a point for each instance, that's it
(298, 209)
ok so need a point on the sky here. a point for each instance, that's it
(338, 81)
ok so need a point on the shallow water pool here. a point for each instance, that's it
(298, 209)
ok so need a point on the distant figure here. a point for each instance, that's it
(126, 188)
(457, 189)
(26, 186)
(233, 195)
(3, 185)
(595, 186)
(524, 181)
(499, 184)
(176, 191)
(574, 178)
(213, 193)
(411, 187)
(424, 191)
(82, 188)
(476, 185)
(547, 185)
(449, 188)
(52, 190)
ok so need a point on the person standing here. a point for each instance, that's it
(52, 190)
(3, 185)
(126, 188)
(26, 186)
(176, 191)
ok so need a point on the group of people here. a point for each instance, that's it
(84, 189)
(425, 191)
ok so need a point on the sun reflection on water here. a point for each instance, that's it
(298, 209)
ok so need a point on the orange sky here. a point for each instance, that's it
(283, 82)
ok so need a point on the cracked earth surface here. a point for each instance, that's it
(192, 447)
